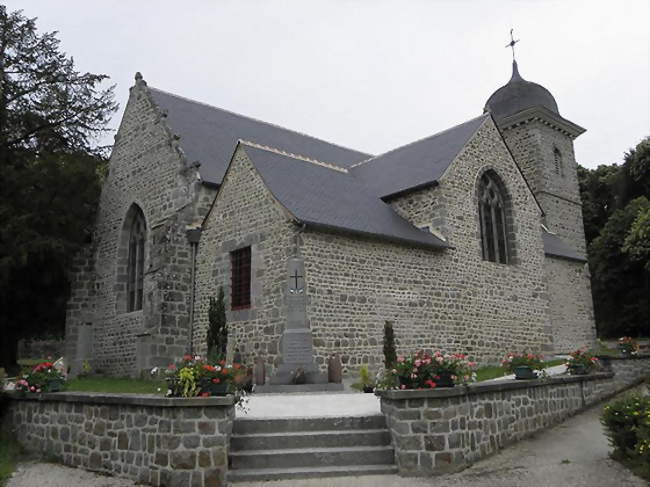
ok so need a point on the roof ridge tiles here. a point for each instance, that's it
(360, 163)
(299, 157)
(191, 100)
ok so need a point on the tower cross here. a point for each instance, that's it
(512, 43)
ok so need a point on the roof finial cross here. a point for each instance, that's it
(512, 43)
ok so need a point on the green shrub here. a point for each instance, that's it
(627, 425)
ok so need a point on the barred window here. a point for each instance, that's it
(492, 220)
(240, 279)
(135, 266)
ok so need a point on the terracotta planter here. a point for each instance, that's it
(524, 372)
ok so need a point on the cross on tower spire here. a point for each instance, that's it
(512, 43)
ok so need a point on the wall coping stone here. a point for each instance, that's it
(638, 356)
(126, 399)
(483, 388)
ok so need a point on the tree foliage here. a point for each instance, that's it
(51, 118)
(616, 213)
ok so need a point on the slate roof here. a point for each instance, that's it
(416, 164)
(556, 247)
(209, 135)
(330, 198)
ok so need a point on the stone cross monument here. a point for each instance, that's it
(296, 344)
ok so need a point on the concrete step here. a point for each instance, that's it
(261, 474)
(311, 457)
(245, 426)
(310, 439)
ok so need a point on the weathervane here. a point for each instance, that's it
(512, 43)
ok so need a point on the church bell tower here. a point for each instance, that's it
(541, 141)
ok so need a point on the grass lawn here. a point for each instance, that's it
(494, 371)
(116, 384)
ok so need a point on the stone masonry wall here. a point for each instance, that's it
(245, 214)
(163, 442)
(146, 168)
(438, 299)
(571, 305)
(436, 431)
(532, 145)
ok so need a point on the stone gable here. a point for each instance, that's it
(245, 214)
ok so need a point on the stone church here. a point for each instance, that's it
(470, 240)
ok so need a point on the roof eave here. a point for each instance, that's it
(566, 257)
(390, 238)
(402, 192)
(545, 116)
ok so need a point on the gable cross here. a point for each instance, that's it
(512, 43)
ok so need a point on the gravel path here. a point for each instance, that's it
(52, 475)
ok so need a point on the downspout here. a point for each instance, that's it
(193, 237)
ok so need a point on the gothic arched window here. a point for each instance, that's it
(135, 263)
(492, 216)
(557, 158)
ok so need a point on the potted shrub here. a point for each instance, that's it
(523, 365)
(44, 377)
(627, 346)
(581, 362)
(365, 384)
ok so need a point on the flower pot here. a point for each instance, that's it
(444, 380)
(54, 385)
(524, 372)
(578, 369)
(215, 389)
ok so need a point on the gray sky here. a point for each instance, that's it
(372, 75)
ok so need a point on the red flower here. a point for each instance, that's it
(216, 380)
(209, 368)
(430, 383)
(205, 394)
(187, 357)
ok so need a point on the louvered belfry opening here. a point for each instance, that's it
(240, 283)
(492, 216)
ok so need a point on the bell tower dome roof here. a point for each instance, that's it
(517, 95)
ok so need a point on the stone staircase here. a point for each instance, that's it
(293, 448)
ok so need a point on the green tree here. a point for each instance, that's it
(51, 118)
(637, 241)
(217, 327)
(620, 282)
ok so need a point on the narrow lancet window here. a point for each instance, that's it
(557, 157)
(492, 220)
(135, 266)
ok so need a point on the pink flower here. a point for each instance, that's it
(400, 359)
(402, 386)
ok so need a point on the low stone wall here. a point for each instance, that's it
(159, 441)
(442, 430)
